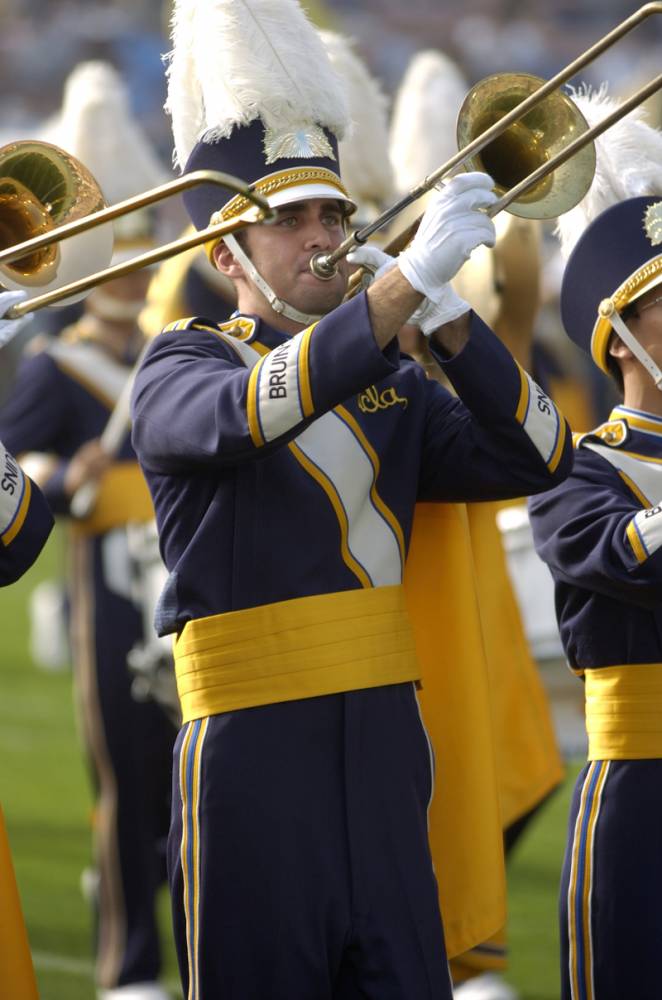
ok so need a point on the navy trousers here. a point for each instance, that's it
(298, 855)
(610, 910)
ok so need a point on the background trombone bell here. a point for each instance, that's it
(41, 188)
(527, 144)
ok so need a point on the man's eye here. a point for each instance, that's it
(332, 220)
(288, 220)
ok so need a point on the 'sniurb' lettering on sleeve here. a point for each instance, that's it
(541, 421)
(14, 496)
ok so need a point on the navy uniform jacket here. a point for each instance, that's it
(25, 520)
(600, 532)
(298, 475)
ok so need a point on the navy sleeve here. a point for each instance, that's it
(197, 399)
(594, 533)
(25, 520)
(502, 438)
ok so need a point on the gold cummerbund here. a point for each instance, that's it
(624, 712)
(123, 497)
(294, 649)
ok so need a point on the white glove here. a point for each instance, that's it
(9, 328)
(374, 260)
(430, 315)
(453, 225)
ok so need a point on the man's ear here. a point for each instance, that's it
(618, 349)
(226, 262)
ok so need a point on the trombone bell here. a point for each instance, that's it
(43, 187)
(527, 144)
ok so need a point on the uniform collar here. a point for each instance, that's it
(638, 420)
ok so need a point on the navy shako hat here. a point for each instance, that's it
(252, 93)
(617, 259)
(286, 179)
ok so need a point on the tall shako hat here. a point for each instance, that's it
(251, 92)
(613, 239)
(96, 125)
(367, 170)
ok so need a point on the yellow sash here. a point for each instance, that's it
(123, 497)
(624, 712)
(294, 649)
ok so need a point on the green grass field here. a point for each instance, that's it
(45, 797)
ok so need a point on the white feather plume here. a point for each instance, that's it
(424, 120)
(366, 168)
(628, 163)
(97, 126)
(236, 60)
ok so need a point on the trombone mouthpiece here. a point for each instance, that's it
(323, 267)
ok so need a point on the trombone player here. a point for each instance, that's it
(299, 862)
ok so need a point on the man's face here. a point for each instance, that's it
(646, 323)
(282, 252)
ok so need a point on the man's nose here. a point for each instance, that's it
(317, 236)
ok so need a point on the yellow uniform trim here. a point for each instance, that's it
(652, 426)
(558, 451)
(320, 477)
(183, 850)
(280, 180)
(624, 712)
(636, 542)
(524, 395)
(247, 327)
(304, 372)
(386, 513)
(19, 518)
(631, 485)
(123, 497)
(251, 407)
(302, 648)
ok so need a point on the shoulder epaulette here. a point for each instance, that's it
(613, 433)
(240, 327)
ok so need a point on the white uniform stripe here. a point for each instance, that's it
(649, 525)
(278, 399)
(646, 475)
(334, 449)
(12, 486)
(541, 421)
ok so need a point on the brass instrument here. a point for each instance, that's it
(511, 123)
(47, 196)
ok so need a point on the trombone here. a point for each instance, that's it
(514, 136)
(41, 184)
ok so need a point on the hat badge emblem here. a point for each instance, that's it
(653, 223)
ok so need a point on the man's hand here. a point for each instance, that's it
(87, 465)
(453, 225)
(9, 328)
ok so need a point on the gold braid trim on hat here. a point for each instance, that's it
(279, 182)
(621, 297)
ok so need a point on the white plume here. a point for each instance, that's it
(424, 117)
(96, 126)
(366, 168)
(628, 163)
(236, 60)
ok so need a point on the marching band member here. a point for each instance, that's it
(59, 407)
(600, 534)
(299, 860)
(502, 284)
(25, 517)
